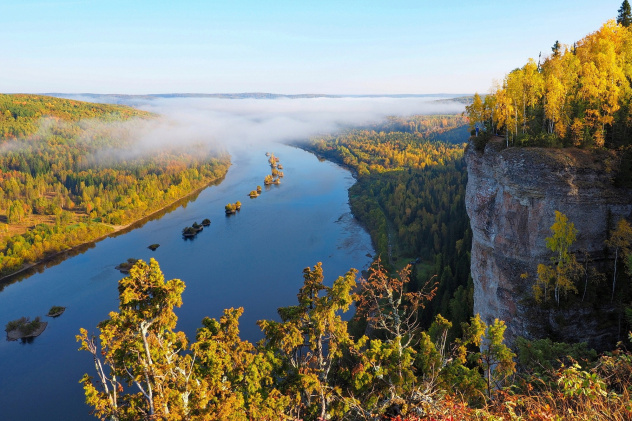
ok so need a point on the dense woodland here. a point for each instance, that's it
(579, 95)
(448, 128)
(410, 195)
(71, 172)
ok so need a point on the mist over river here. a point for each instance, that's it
(253, 259)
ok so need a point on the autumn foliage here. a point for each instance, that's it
(577, 96)
(308, 366)
(70, 172)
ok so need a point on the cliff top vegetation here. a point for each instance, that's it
(580, 95)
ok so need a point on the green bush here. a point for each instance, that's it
(25, 326)
(55, 309)
(545, 355)
(481, 140)
(15, 324)
(543, 140)
(30, 327)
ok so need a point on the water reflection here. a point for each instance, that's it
(253, 260)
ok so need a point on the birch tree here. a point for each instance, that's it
(560, 275)
(475, 111)
(620, 241)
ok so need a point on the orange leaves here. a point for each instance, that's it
(385, 295)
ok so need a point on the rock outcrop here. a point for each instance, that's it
(511, 198)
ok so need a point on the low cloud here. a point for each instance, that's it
(234, 122)
(231, 124)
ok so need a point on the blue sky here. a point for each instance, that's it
(290, 47)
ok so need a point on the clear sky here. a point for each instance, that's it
(290, 47)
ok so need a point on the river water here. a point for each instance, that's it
(253, 259)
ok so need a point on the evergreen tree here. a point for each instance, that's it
(556, 49)
(310, 340)
(625, 14)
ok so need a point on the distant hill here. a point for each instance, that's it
(118, 98)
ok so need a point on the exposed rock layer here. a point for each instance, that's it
(511, 198)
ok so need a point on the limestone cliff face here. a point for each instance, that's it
(511, 198)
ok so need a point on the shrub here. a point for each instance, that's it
(15, 324)
(28, 328)
(56, 310)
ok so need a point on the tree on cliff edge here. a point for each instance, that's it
(624, 18)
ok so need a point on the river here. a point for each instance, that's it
(253, 259)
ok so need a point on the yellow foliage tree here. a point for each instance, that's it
(560, 276)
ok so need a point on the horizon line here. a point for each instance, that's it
(251, 94)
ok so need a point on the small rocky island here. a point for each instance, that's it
(153, 247)
(275, 166)
(233, 208)
(193, 230)
(269, 179)
(126, 266)
(24, 328)
(56, 311)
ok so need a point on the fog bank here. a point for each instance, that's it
(235, 123)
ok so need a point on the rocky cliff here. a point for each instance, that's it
(511, 198)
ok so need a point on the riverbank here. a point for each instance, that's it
(62, 255)
(305, 147)
(354, 173)
(253, 260)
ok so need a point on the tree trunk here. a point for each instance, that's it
(524, 115)
(323, 381)
(585, 275)
(148, 368)
(516, 125)
(489, 380)
(614, 276)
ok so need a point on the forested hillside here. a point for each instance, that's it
(439, 126)
(410, 196)
(71, 172)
